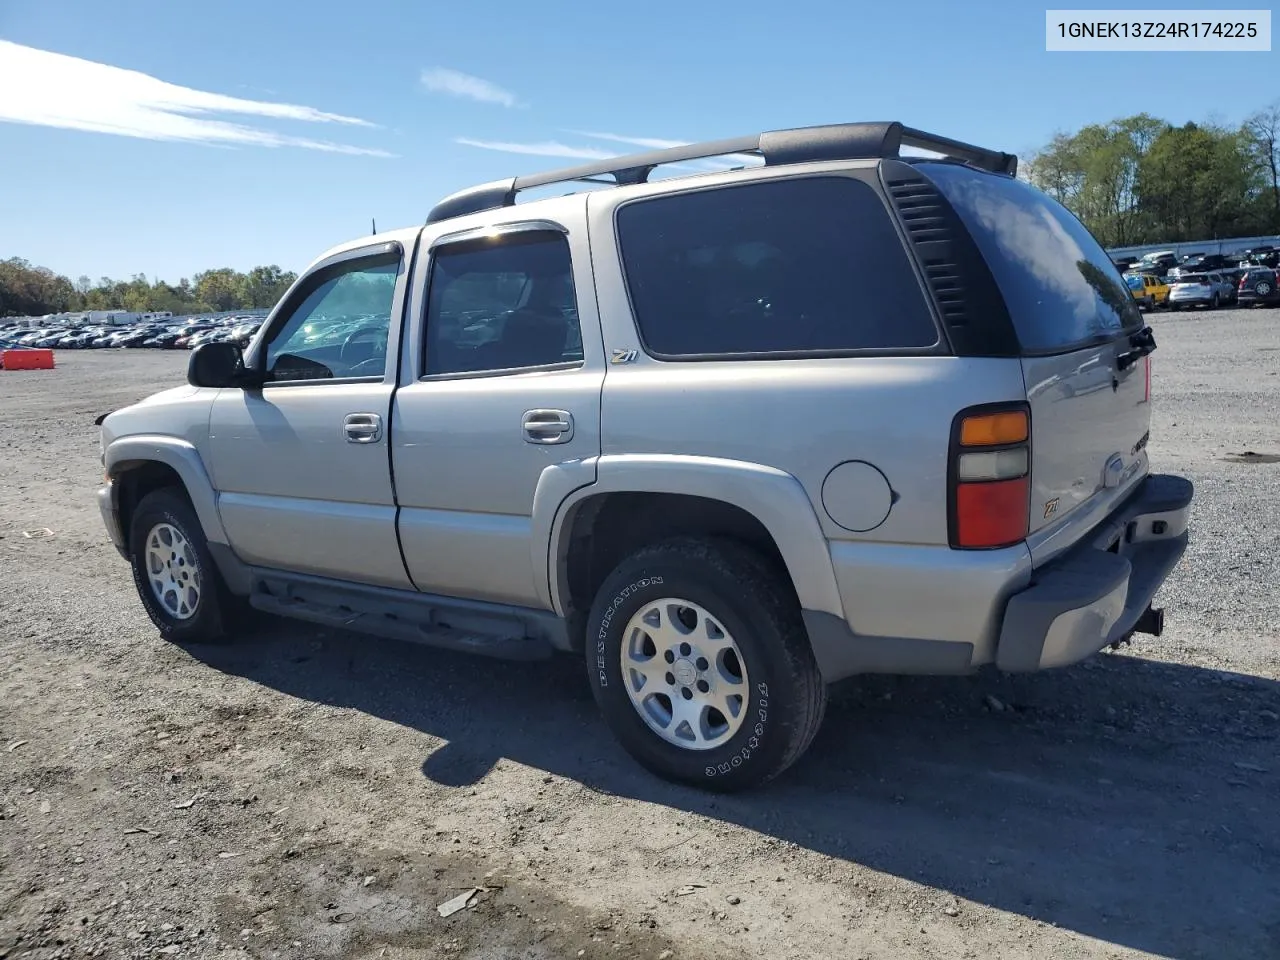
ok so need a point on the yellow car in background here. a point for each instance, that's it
(1150, 291)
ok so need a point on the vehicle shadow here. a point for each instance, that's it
(1127, 800)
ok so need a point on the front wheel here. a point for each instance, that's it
(700, 663)
(175, 575)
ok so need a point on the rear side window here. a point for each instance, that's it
(1061, 288)
(502, 305)
(794, 268)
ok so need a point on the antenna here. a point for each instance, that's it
(374, 221)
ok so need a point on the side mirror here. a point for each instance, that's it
(216, 365)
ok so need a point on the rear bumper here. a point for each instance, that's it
(1095, 594)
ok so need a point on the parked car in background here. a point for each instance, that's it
(1199, 290)
(1148, 290)
(1260, 257)
(189, 331)
(1157, 263)
(164, 339)
(1259, 287)
(1199, 263)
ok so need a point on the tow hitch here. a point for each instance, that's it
(1151, 621)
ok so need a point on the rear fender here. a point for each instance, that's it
(772, 496)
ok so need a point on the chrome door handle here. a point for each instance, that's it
(362, 427)
(547, 426)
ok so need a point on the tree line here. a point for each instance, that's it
(1139, 179)
(30, 291)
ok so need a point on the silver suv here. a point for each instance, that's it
(817, 411)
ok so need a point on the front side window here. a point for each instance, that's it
(502, 303)
(795, 267)
(1061, 288)
(340, 327)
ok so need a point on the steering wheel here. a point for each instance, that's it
(357, 336)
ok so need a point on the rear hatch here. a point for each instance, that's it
(1080, 334)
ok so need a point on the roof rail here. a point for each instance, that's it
(841, 141)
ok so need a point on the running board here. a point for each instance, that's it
(489, 630)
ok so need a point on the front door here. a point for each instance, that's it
(500, 398)
(301, 465)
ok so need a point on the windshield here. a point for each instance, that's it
(1061, 288)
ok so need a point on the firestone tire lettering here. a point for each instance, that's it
(753, 744)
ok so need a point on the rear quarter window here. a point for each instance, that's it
(1061, 288)
(799, 267)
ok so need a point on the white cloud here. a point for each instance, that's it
(54, 90)
(548, 148)
(652, 143)
(459, 84)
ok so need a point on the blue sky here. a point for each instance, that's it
(361, 110)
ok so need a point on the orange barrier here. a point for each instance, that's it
(26, 359)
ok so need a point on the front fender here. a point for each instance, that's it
(184, 459)
(772, 496)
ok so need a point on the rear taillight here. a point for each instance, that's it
(990, 477)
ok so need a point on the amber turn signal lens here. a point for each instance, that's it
(993, 428)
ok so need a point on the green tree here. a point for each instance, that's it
(1263, 131)
(1094, 173)
(263, 286)
(1200, 182)
(223, 288)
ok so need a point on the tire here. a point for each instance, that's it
(1262, 289)
(165, 528)
(758, 656)
(1213, 302)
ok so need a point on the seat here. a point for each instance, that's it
(530, 339)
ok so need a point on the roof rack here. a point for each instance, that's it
(841, 141)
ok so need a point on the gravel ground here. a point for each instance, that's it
(311, 794)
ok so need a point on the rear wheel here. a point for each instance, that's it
(1213, 302)
(175, 575)
(700, 664)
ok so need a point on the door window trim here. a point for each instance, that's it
(305, 285)
(498, 233)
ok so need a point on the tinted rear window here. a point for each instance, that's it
(1061, 288)
(792, 267)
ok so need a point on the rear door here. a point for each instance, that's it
(499, 399)
(1074, 318)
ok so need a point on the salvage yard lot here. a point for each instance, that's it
(311, 794)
